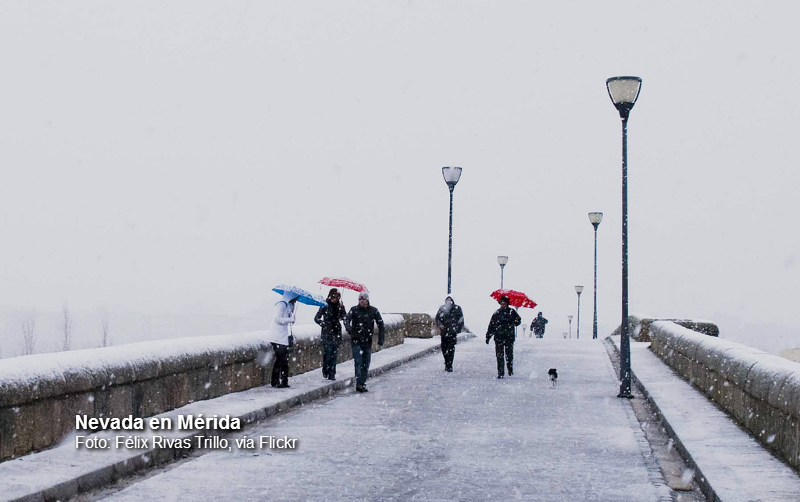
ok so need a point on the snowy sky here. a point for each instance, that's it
(190, 155)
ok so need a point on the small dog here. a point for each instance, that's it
(553, 376)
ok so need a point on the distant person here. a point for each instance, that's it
(280, 336)
(502, 325)
(360, 323)
(450, 321)
(537, 326)
(329, 317)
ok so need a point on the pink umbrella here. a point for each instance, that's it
(343, 282)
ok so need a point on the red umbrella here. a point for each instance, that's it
(515, 298)
(343, 282)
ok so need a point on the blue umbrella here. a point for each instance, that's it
(303, 296)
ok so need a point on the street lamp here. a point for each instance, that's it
(569, 317)
(451, 176)
(595, 219)
(502, 260)
(579, 290)
(623, 92)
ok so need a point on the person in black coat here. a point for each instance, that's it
(360, 323)
(537, 326)
(502, 325)
(328, 318)
(450, 321)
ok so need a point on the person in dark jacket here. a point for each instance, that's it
(360, 323)
(450, 321)
(328, 318)
(502, 325)
(537, 326)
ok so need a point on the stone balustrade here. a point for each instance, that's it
(760, 391)
(41, 394)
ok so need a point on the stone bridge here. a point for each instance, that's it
(420, 433)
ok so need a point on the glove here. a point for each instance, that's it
(487, 341)
(291, 341)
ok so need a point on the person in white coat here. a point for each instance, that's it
(279, 336)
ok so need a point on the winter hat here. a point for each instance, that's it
(503, 298)
(363, 296)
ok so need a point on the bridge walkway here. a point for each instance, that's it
(424, 434)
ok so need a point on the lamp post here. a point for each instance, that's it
(579, 290)
(569, 317)
(502, 260)
(451, 176)
(595, 219)
(623, 92)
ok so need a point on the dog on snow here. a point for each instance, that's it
(553, 373)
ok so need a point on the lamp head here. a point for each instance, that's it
(623, 92)
(451, 176)
(595, 219)
(502, 260)
(579, 289)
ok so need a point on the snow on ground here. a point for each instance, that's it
(423, 434)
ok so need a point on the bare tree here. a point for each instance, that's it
(29, 333)
(66, 328)
(104, 321)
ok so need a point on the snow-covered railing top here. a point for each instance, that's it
(763, 375)
(39, 376)
(640, 326)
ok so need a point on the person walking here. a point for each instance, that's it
(502, 325)
(450, 321)
(328, 318)
(280, 336)
(360, 323)
(537, 326)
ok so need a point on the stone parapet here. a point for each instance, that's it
(418, 325)
(760, 390)
(41, 394)
(639, 327)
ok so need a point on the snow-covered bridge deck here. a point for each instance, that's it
(423, 434)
